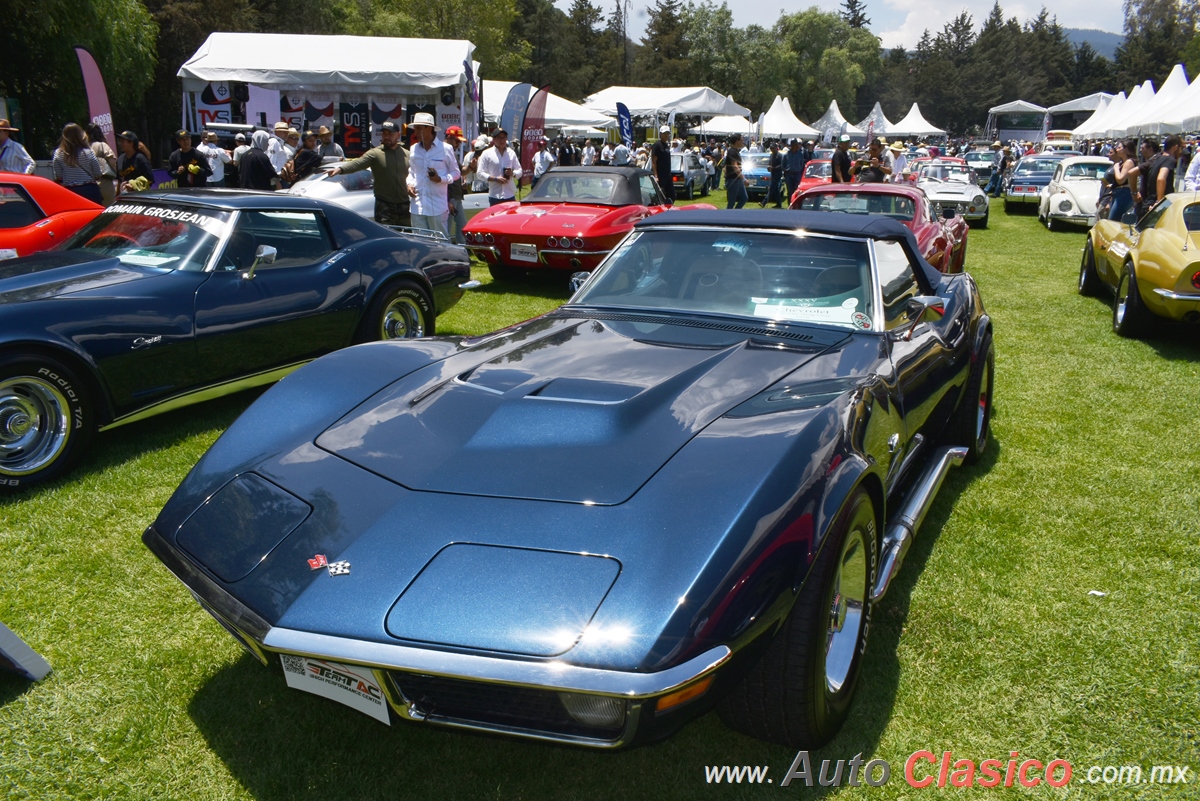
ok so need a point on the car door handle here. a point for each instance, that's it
(893, 443)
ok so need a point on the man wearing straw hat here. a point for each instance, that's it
(13, 156)
(433, 167)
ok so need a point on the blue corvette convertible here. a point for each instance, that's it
(686, 487)
(168, 299)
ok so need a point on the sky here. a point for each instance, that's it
(901, 22)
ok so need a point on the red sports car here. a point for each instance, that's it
(943, 240)
(570, 221)
(817, 172)
(37, 214)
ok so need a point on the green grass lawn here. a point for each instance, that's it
(988, 643)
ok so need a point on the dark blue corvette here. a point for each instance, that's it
(685, 487)
(168, 299)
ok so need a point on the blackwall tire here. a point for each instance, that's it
(401, 311)
(47, 417)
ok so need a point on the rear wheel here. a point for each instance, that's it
(1129, 313)
(504, 272)
(46, 419)
(799, 694)
(402, 311)
(972, 419)
(691, 190)
(1089, 280)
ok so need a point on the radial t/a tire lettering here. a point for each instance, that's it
(400, 311)
(799, 693)
(46, 419)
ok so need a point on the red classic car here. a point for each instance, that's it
(817, 172)
(37, 214)
(943, 240)
(570, 221)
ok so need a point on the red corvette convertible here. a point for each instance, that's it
(37, 214)
(570, 221)
(943, 240)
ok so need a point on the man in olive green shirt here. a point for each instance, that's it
(389, 167)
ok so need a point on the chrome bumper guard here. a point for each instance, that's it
(1169, 295)
(542, 254)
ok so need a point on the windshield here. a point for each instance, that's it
(348, 181)
(946, 172)
(755, 161)
(1191, 217)
(676, 162)
(764, 275)
(898, 207)
(1092, 171)
(818, 169)
(574, 188)
(979, 157)
(1032, 166)
(154, 235)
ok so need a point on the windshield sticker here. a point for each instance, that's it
(802, 311)
(850, 303)
(861, 320)
(738, 246)
(144, 259)
(213, 225)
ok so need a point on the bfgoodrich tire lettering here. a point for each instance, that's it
(46, 419)
(799, 694)
(401, 311)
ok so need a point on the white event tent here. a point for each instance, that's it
(1185, 116)
(832, 123)
(1148, 120)
(1139, 99)
(560, 112)
(877, 122)
(1086, 103)
(915, 124)
(1096, 124)
(308, 79)
(727, 124)
(780, 122)
(644, 101)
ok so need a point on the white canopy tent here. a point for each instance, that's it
(1148, 121)
(340, 81)
(877, 122)
(915, 124)
(779, 122)
(727, 125)
(1090, 102)
(1134, 106)
(1185, 116)
(832, 123)
(1094, 125)
(1017, 107)
(643, 101)
(560, 112)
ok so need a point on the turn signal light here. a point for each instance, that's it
(1196, 280)
(678, 697)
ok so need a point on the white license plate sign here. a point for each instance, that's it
(523, 252)
(8, 253)
(347, 684)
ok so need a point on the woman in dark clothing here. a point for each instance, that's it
(255, 171)
(307, 159)
(1123, 170)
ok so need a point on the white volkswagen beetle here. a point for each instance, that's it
(1072, 193)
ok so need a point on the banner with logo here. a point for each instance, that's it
(319, 110)
(513, 111)
(93, 82)
(447, 116)
(384, 108)
(353, 133)
(291, 110)
(625, 124)
(532, 130)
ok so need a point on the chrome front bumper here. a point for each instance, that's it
(263, 640)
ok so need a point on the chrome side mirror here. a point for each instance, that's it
(578, 279)
(922, 308)
(264, 255)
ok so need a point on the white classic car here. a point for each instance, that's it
(356, 191)
(1072, 193)
(953, 185)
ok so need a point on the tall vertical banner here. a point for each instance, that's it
(513, 113)
(533, 129)
(353, 134)
(93, 82)
(625, 124)
(291, 110)
(214, 104)
(1046, 125)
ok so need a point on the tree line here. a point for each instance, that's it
(811, 56)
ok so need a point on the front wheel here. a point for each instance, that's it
(799, 693)
(1129, 313)
(983, 223)
(402, 311)
(972, 419)
(1089, 280)
(46, 418)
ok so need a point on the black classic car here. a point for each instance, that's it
(167, 299)
(686, 487)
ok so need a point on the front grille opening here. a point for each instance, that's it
(550, 711)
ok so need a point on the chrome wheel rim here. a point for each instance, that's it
(35, 422)
(402, 319)
(846, 611)
(1122, 300)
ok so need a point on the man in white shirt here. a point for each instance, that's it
(13, 156)
(217, 157)
(277, 147)
(431, 168)
(500, 167)
(620, 155)
(543, 160)
(589, 155)
(606, 154)
(899, 162)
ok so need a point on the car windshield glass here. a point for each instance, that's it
(946, 172)
(348, 181)
(1032, 166)
(898, 207)
(676, 162)
(818, 169)
(574, 188)
(756, 161)
(1191, 217)
(979, 157)
(1091, 172)
(764, 275)
(154, 235)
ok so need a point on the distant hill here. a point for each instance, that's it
(1102, 42)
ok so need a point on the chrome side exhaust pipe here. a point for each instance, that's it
(903, 527)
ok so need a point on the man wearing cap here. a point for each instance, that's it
(432, 168)
(735, 183)
(543, 160)
(499, 166)
(660, 164)
(993, 184)
(242, 149)
(455, 191)
(329, 149)
(389, 169)
(775, 170)
(841, 161)
(217, 157)
(899, 162)
(134, 173)
(13, 156)
(188, 166)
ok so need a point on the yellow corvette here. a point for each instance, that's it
(1152, 266)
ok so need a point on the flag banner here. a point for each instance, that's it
(625, 124)
(291, 110)
(93, 82)
(352, 134)
(319, 110)
(532, 130)
(513, 113)
(384, 108)
(214, 104)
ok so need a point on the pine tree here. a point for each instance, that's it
(855, 13)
